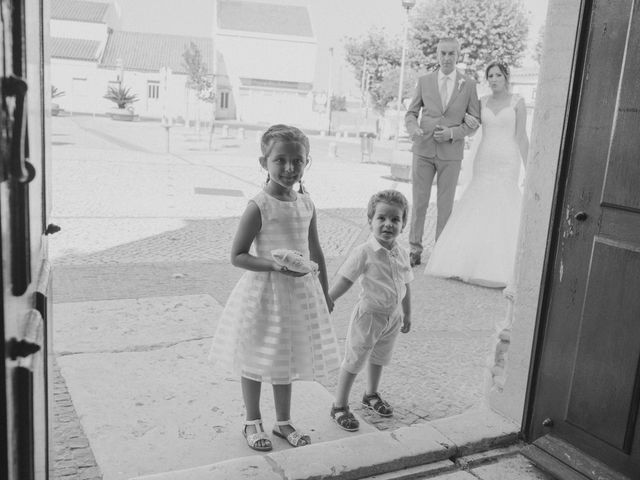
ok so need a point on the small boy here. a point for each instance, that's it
(383, 308)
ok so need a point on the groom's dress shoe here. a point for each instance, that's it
(414, 259)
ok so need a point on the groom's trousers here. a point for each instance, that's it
(423, 171)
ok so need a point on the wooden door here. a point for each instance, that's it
(24, 283)
(586, 381)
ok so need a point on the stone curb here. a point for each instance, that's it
(366, 455)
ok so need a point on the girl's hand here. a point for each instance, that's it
(285, 271)
(330, 303)
(406, 325)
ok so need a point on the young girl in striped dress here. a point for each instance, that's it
(275, 327)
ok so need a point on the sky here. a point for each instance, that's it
(332, 20)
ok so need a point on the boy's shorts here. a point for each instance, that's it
(371, 336)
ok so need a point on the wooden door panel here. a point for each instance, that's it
(602, 398)
(587, 388)
(621, 186)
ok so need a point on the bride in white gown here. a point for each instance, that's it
(479, 241)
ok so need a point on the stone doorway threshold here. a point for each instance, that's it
(430, 447)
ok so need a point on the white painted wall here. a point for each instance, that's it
(67, 75)
(268, 56)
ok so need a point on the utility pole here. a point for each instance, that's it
(408, 5)
(214, 72)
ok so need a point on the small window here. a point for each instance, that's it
(153, 90)
(224, 100)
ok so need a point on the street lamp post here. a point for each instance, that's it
(329, 91)
(408, 5)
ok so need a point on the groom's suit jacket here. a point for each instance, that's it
(425, 111)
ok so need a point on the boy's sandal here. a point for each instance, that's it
(374, 402)
(295, 438)
(254, 438)
(344, 418)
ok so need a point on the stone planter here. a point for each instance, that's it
(401, 165)
(123, 114)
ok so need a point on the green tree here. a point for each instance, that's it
(197, 77)
(389, 86)
(374, 58)
(201, 82)
(486, 30)
(338, 103)
(537, 54)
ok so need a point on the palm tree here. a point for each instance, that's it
(121, 96)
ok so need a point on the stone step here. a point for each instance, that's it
(437, 444)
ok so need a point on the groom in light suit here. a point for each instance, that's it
(435, 123)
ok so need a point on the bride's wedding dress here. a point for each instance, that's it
(479, 241)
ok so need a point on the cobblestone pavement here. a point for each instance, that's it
(138, 222)
(73, 458)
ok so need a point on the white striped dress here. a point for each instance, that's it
(276, 328)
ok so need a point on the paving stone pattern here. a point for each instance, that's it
(111, 249)
(73, 458)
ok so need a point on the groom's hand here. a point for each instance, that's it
(441, 134)
(417, 133)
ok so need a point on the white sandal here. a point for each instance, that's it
(254, 438)
(294, 438)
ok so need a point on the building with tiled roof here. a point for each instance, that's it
(79, 11)
(75, 49)
(148, 52)
(264, 18)
(265, 61)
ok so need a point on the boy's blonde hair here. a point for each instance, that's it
(391, 197)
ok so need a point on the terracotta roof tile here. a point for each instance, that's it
(264, 18)
(76, 10)
(74, 49)
(150, 52)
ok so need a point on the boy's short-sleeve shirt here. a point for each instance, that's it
(383, 274)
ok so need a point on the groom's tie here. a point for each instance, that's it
(444, 91)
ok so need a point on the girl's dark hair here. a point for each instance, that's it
(391, 197)
(504, 69)
(284, 133)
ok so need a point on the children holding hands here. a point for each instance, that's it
(276, 325)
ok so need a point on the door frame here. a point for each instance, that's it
(555, 222)
(571, 114)
(584, 35)
(562, 175)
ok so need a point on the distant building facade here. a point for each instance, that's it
(265, 63)
(270, 55)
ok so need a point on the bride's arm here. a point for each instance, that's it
(521, 130)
